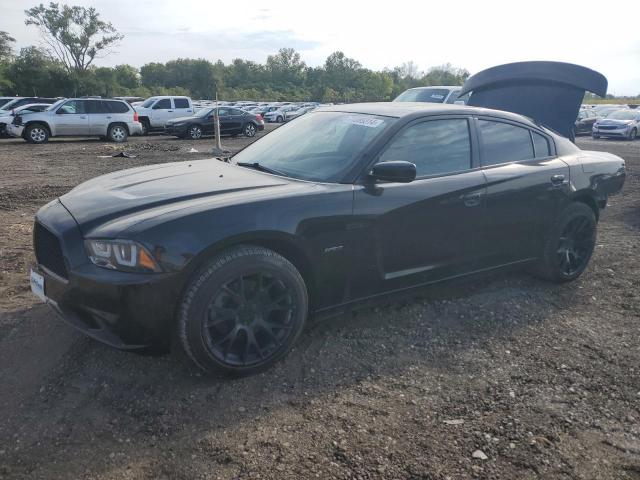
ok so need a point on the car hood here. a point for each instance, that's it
(161, 188)
(178, 120)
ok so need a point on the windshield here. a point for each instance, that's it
(148, 102)
(321, 146)
(57, 104)
(4, 101)
(430, 95)
(622, 115)
(8, 105)
(204, 112)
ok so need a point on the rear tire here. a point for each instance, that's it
(117, 133)
(36, 133)
(242, 311)
(250, 130)
(570, 245)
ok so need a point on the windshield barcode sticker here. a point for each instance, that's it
(363, 121)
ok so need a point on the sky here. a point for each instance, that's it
(470, 34)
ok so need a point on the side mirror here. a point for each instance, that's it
(395, 171)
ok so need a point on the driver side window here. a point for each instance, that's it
(72, 107)
(436, 147)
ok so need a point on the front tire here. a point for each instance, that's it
(243, 311)
(36, 133)
(570, 245)
(632, 134)
(118, 133)
(195, 132)
(279, 119)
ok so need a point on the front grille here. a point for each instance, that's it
(608, 127)
(48, 250)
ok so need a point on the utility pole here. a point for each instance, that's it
(218, 151)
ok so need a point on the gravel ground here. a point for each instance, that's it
(501, 377)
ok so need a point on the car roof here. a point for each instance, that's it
(450, 87)
(405, 109)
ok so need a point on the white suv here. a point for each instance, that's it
(85, 117)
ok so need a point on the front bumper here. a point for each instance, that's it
(14, 130)
(618, 132)
(128, 311)
(176, 130)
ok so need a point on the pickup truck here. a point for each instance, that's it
(154, 112)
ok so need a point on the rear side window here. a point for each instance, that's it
(436, 147)
(235, 111)
(181, 102)
(163, 104)
(504, 143)
(117, 107)
(541, 145)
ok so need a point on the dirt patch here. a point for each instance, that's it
(543, 380)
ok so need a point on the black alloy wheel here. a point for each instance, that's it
(242, 311)
(570, 245)
(575, 246)
(248, 319)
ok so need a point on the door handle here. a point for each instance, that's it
(170, 111)
(83, 116)
(108, 117)
(558, 180)
(472, 199)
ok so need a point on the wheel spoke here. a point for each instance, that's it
(236, 297)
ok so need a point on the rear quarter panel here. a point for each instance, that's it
(599, 174)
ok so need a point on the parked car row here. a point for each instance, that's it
(610, 121)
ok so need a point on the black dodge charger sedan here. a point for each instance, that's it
(233, 121)
(343, 205)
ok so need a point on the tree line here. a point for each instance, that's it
(73, 37)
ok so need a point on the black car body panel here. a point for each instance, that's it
(229, 124)
(548, 92)
(352, 240)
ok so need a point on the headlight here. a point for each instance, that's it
(123, 255)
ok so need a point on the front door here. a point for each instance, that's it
(72, 118)
(161, 112)
(422, 231)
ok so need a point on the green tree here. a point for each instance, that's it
(6, 49)
(75, 35)
(286, 67)
(34, 72)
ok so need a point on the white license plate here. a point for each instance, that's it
(37, 285)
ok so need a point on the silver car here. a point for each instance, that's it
(84, 117)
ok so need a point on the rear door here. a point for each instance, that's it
(72, 118)
(181, 107)
(236, 117)
(426, 230)
(98, 111)
(527, 186)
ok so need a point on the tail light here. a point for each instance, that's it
(135, 116)
(259, 117)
